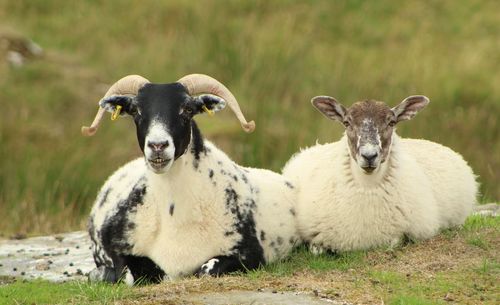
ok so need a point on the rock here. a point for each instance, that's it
(257, 298)
(36, 253)
(42, 266)
(489, 209)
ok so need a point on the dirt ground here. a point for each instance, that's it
(459, 266)
(448, 263)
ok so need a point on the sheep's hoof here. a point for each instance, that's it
(103, 274)
(316, 250)
(207, 268)
(320, 250)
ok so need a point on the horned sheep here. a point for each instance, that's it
(184, 207)
(372, 188)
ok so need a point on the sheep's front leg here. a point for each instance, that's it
(220, 265)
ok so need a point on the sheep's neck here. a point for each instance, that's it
(183, 186)
(184, 168)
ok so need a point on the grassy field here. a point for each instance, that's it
(464, 269)
(274, 56)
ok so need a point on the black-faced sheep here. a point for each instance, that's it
(185, 207)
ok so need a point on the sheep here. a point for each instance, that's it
(184, 207)
(17, 49)
(374, 189)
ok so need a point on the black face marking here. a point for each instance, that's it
(262, 236)
(289, 185)
(170, 105)
(171, 209)
(210, 173)
(228, 233)
(163, 102)
(292, 211)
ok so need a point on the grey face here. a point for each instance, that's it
(369, 125)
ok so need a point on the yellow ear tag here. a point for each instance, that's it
(210, 112)
(116, 113)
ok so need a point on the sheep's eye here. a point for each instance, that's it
(392, 123)
(134, 111)
(188, 110)
(346, 124)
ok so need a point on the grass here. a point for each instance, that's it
(442, 270)
(274, 56)
(301, 258)
(447, 269)
(42, 292)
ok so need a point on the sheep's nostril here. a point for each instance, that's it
(158, 146)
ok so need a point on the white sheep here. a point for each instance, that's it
(185, 207)
(372, 187)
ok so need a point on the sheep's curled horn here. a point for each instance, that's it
(201, 83)
(194, 83)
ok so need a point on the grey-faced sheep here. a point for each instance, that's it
(372, 187)
(184, 207)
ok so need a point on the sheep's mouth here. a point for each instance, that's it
(158, 163)
(369, 169)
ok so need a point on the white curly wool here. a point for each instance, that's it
(421, 188)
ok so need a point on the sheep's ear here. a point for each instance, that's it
(329, 107)
(409, 107)
(126, 102)
(209, 103)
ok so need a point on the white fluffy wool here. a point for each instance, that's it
(421, 188)
(180, 241)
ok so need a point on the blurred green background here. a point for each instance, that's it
(273, 55)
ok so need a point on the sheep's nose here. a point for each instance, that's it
(158, 146)
(369, 156)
